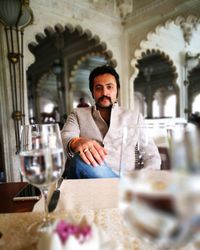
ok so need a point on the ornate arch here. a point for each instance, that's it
(78, 77)
(164, 56)
(71, 45)
(157, 77)
(107, 55)
(193, 87)
(69, 39)
(186, 24)
(185, 27)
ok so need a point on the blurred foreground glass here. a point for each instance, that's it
(156, 204)
(42, 160)
(185, 143)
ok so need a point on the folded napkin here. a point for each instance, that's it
(64, 235)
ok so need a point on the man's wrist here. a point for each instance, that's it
(72, 143)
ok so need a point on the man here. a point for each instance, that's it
(91, 135)
(82, 103)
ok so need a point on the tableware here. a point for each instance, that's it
(185, 143)
(42, 160)
(55, 196)
(149, 200)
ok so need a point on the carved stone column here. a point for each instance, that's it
(7, 134)
(161, 98)
(149, 101)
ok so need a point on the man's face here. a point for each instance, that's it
(104, 90)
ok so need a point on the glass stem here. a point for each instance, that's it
(46, 212)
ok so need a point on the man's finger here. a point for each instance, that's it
(94, 156)
(84, 158)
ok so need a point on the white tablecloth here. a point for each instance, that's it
(94, 199)
(85, 194)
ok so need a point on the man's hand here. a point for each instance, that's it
(90, 151)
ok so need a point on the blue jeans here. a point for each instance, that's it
(76, 168)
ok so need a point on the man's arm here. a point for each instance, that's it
(89, 150)
(70, 130)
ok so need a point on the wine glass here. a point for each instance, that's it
(42, 161)
(148, 197)
(185, 160)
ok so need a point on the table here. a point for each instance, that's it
(7, 192)
(81, 195)
(13, 227)
(95, 199)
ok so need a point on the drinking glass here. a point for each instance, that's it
(42, 160)
(149, 200)
(185, 160)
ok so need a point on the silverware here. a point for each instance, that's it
(55, 196)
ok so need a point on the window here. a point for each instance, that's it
(156, 112)
(48, 108)
(196, 104)
(170, 106)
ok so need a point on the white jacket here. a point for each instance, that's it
(120, 138)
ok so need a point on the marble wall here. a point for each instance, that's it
(147, 27)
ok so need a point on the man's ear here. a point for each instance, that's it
(117, 93)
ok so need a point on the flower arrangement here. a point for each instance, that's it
(82, 232)
(64, 235)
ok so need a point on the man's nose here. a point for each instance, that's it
(105, 91)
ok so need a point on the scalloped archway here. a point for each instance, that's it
(67, 46)
(193, 88)
(80, 73)
(174, 38)
(156, 80)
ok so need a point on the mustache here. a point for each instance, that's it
(104, 96)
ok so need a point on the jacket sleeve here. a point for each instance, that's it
(70, 130)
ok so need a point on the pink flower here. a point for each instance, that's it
(65, 229)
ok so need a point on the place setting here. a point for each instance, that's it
(42, 161)
(142, 209)
(162, 207)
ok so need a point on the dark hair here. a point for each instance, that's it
(100, 71)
